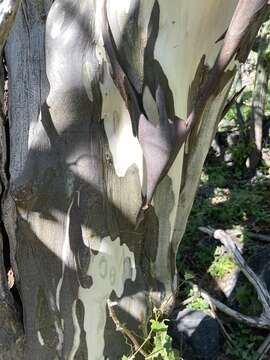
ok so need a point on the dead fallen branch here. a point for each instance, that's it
(253, 321)
(258, 284)
(262, 321)
(260, 237)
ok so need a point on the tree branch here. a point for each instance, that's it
(260, 237)
(258, 284)
(263, 321)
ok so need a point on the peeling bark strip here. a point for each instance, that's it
(239, 37)
(161, 143)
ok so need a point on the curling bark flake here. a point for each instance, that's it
(161, 139)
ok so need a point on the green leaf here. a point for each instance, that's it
(188, 275)
(158, 325)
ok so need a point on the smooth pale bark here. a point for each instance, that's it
(78, 172)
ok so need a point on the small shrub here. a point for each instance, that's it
(221, 265)
(159, 340)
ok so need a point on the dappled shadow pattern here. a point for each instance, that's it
(69, 198)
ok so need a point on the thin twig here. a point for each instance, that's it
(125, 331)
(207, 230)
(187, 301)
(260, 237)
(216, 317)
(231, 101)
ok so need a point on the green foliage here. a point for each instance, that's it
(247, 299)
(218, 175)
(240, 154)
(221, 265)
(267, 104)
(244, 344)
(245, 203)
(160, 341)
(226, 201)
(198, 303)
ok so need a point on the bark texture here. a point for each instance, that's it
(11, 333)
(259, 98)
(100, 187)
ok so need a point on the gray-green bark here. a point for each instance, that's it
(79, 171)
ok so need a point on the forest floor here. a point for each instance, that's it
(227, 199)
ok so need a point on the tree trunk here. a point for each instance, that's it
(259, 98)
(103, 171)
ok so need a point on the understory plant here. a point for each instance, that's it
(158, 342)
